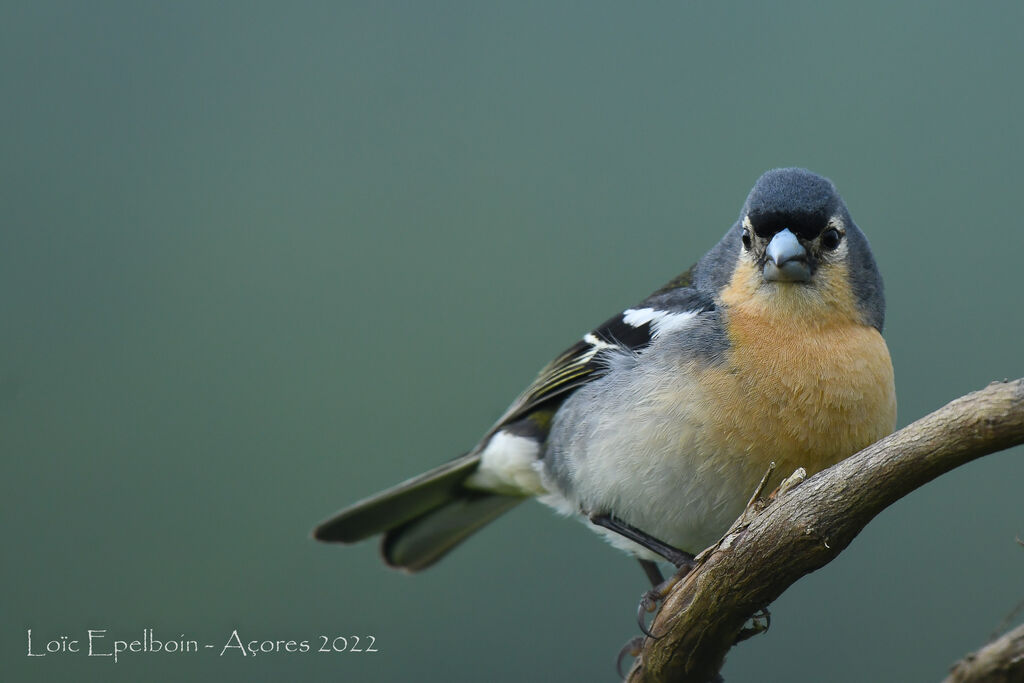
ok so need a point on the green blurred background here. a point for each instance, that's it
(258, 260)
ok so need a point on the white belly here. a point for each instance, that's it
(633, 445)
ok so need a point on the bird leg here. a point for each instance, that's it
(649, 600)
(653, 572)
(680, 558)
(648, 603)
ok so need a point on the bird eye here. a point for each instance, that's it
(830, 239)
(746, 239)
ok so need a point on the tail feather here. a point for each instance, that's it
(423, 541)
(399, 504)
(423, 518)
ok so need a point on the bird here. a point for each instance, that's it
(655, 427)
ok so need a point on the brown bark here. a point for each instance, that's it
(1001, 661)
(808, 524)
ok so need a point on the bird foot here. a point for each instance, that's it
(632, 648)
(760, 621)
(649, 600)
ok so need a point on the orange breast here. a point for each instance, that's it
(804, 384)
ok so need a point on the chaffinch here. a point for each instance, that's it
(657, 425)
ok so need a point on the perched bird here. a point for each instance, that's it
(657, 425)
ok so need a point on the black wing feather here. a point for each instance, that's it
(580, 363)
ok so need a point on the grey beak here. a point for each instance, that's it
(787, 259)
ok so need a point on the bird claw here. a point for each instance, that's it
(649, 600)
(761, 622)
(631, 648)
(684, 562)
(648, 603)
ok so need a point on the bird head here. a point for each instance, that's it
(798, 247)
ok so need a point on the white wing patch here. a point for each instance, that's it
(598, 344)
(508, 465)
(661, 321)
(638, 317)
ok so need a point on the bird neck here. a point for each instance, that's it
(826, 302)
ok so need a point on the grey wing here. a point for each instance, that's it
(631, 330)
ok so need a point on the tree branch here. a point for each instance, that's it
(808, 524)
(1001, 661)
